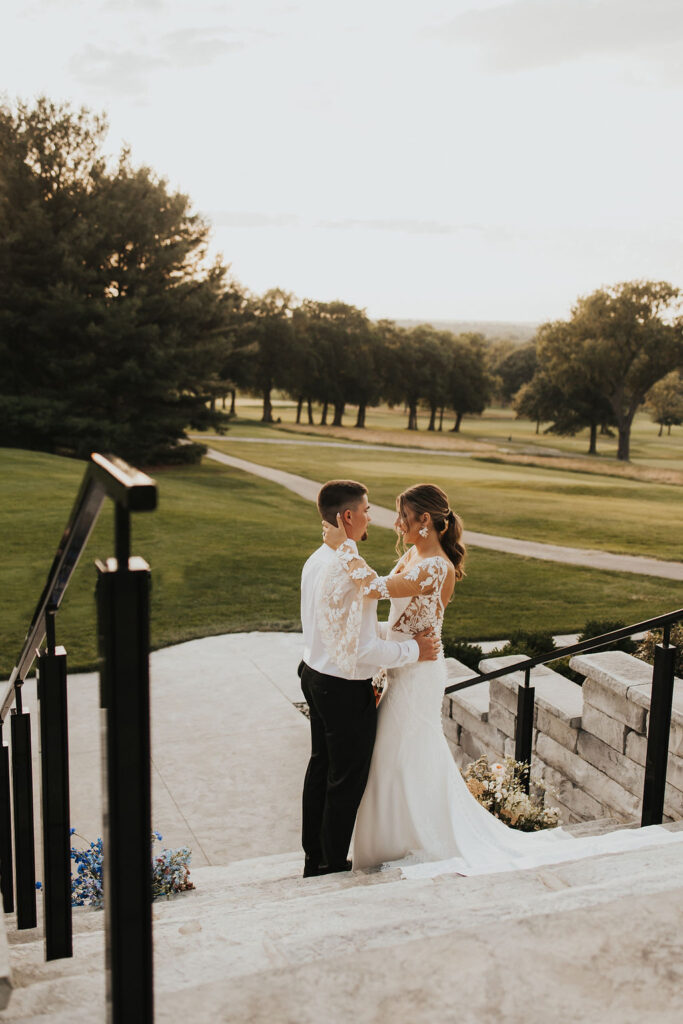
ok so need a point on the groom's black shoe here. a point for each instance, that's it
(331, 869)
(311, 868)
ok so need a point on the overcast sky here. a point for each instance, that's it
(462, 159)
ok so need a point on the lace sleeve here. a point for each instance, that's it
(426, 577)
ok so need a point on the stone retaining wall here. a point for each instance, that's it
(589, 742)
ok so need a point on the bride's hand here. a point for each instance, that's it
(334, 536)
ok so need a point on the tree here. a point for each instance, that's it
(434, 353)
(306, 385)
(470, 384)
(111, 321)
(567, 388)
(629, 339)
(516, 367)
(665, 401)
(538, 400)
(419, 370)
(340, 337)
(265, 346)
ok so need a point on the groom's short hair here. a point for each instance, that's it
(337, 495)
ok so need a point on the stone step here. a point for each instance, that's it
(598, 827)
(598, 965)
(259, 879)
(213, 935)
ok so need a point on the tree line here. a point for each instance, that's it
(330, 354)
(117, 333)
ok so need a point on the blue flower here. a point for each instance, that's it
(39, 885)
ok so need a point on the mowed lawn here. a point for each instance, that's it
(557, 506)
(226, 551)
(500, 427)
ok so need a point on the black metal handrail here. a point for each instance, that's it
(661, 698)
(105, 477)
(123, 587)
(526, 664)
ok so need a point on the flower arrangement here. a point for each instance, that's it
(170, 872)
(87, 884)
(500, 789)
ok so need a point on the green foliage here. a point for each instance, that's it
(646, 648)
(665, 401)
(110, 321)
(598, 627)
(513, 366)
(470, 384)
(602, 363)
(468, 654)
(526, 642)
(341, 353)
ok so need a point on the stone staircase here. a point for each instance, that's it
(592, 940)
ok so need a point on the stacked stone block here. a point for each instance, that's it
(589, 741)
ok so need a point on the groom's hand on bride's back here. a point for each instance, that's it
(429, 645)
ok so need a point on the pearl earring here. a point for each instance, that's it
(423, 531)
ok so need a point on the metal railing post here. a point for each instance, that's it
(123, 587)
(22, 792)
(6, 865)
(54, 753)
(525, 725)
(659, 725)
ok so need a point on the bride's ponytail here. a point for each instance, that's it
(451, 541)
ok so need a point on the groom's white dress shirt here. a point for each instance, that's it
(373, 652)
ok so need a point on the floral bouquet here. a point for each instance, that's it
(86, 884)
(500, 789)
(379, 685)
(170, 872)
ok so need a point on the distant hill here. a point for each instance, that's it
(498, 329)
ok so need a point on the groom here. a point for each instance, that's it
(341, 700)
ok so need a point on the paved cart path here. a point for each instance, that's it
(592, 559)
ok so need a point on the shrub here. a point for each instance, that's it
(468, 654)
(596, 627)
(523, 642)
(646, 648)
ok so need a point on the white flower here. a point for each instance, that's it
(498, 769)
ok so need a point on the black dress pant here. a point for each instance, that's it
(343, 723)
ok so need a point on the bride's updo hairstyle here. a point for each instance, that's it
(430, 498)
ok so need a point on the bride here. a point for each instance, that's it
(417, 809)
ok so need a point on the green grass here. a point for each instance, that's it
(226, 551)
(557, 506)
(500, 427)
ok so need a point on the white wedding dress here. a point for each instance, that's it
(417, 811)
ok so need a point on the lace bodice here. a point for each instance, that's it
(415, 592)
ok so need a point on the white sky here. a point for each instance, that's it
(447, 159)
